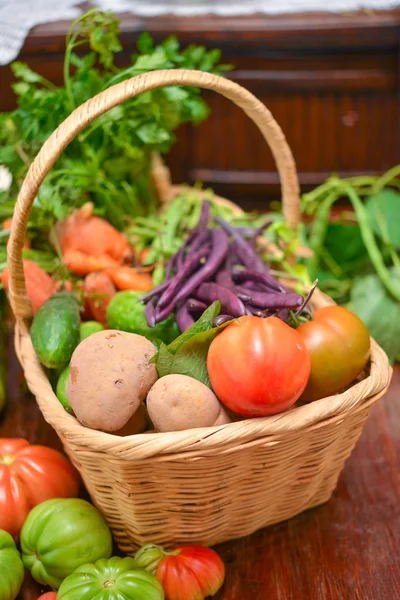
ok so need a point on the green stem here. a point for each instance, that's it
(386, 178)
(370, 242)
(319, 228)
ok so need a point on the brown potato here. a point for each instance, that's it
(138, 423)
(177, 402)
(110, 376)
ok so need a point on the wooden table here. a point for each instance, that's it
(348, 549)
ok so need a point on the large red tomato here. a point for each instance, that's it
(257, 366)
(339, 346)
(30, 475)
(48, 596)
(191, 573)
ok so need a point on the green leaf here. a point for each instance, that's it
(191, 358)
(164, 361)
(384, 213)
(205, 323)
(379, 311)
(345, 244)
(187, 355)
(22, 71)
(145, 43)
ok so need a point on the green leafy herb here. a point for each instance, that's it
(187, 354)
(109, 162)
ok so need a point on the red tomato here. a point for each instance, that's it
(257, 366)
(339, 346)
(30, 475)
(48, 596)
(191, 573)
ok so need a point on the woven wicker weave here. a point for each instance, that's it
(203, 485)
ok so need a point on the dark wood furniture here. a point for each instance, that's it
(347, 549)
(331, 80)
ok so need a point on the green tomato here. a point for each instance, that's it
(127, 314)
(11, 568)
(113, 579)
(60, 535)
(89, 328)
(61, 390)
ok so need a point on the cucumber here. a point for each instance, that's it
(61, 391)
(89, 328)
(127, 314)
(55, 330)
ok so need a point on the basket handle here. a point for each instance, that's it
(93, 108)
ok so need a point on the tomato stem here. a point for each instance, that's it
(7, 460)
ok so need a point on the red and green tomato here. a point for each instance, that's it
(338, 343)
(187, 573)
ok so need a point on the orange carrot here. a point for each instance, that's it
(126, 278)
(39, 285)
(80, 263)
(98, 291)
(89, 243)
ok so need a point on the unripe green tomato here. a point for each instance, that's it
(11, 568)
(89, 328)
(61, 535)
(113, 579)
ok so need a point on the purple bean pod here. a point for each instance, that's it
(195, 305)
(222, 319)
(184, 319)
(272, 300)
(230, 303)
(198, 241)
(267, 279)
(204, 215)
(245, 251)
(150, 314)
(156, 291)
(189, 266)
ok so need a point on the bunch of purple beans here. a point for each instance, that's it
(221, 264)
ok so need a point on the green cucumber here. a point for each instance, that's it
(61, 390)
(55, 330)
(89, 328)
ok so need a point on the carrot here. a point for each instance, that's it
(98, 291)
(126, 278)
(80, 263)
(89, 243)
(39, 285)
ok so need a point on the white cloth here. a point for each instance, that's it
(17, 17)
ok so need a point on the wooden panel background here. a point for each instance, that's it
(331, 81)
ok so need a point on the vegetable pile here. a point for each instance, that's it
(220, 339)
(220, 264)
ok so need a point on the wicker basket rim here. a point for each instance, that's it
(145, 445)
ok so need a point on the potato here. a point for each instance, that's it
(110, 376)
(138, 423)
(177, 402)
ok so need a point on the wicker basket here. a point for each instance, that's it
(203, 485)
